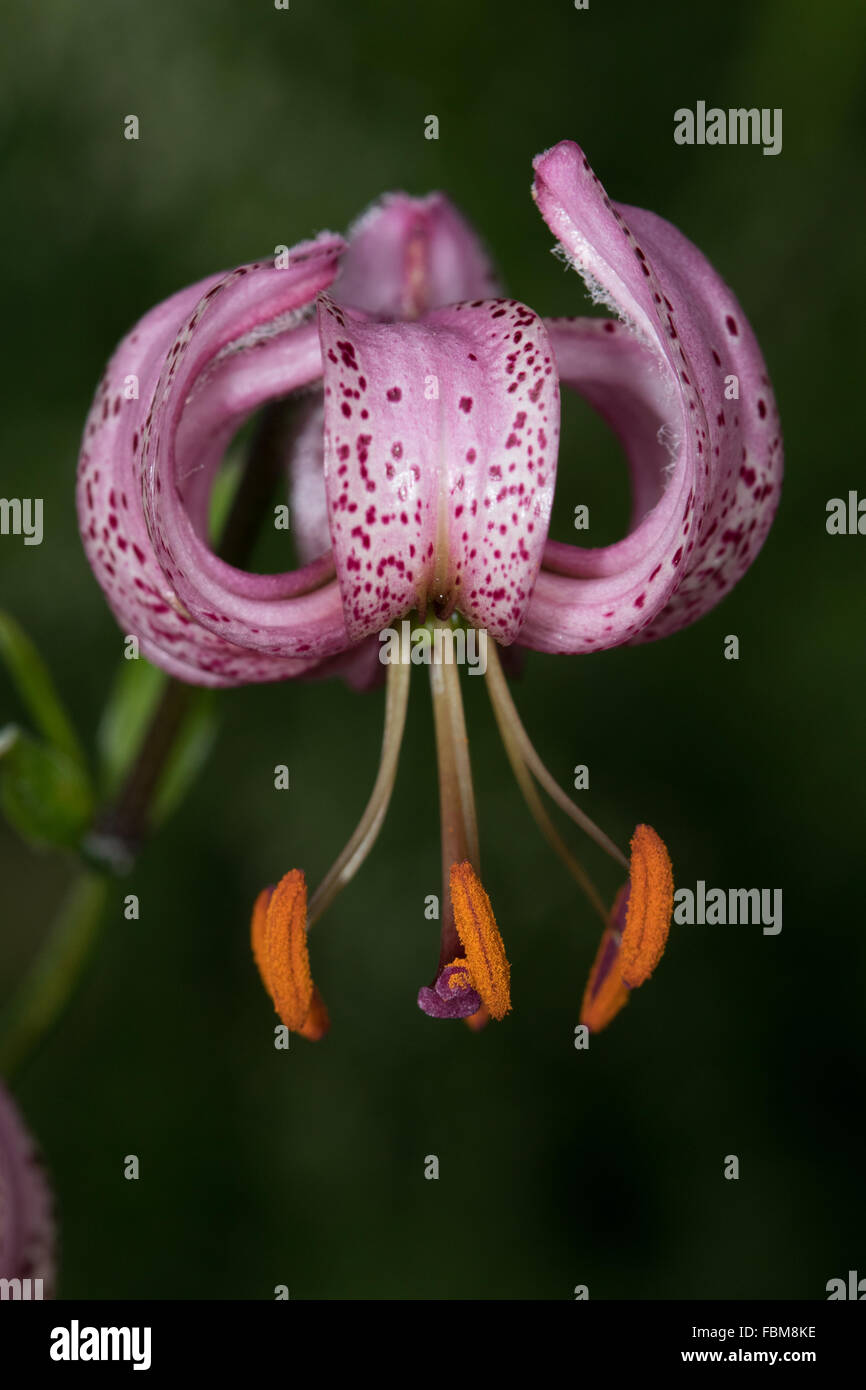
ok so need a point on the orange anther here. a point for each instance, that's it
(279, 941)
(317, 1021)
(257, 930)
(476, 926)
(605, 993)
(629, 953)
(650, 906)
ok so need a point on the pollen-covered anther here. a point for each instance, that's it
(479, 935)
(605, 993)
(279, 941)
(634, 939)
(650, 906)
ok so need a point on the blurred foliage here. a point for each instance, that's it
(131, 707)
(260, 127)
(36, 690)
(44, 793)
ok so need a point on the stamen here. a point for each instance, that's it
(509, 720)
(279, 940)
(605, 992)
(542, 819)
(364, 837)
(650, 906)
(459, 826)
(257, 931)
(285, 942)
(485, 953)
(636, 933)
(317, 1021)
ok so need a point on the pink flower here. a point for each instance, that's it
(423, 479)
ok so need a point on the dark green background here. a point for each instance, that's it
(557, 1168)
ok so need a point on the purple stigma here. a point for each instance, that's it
(449, 998)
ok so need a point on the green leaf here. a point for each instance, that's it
(135, 694)
(37, 689)
(44, 793)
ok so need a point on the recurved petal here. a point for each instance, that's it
(26, 1223)
(706, 469)
(307, 498)
(174, 393)
(440, 458)
(408, 255)
(404, 256)
(359, 666)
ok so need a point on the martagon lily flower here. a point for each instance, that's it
(421, 485)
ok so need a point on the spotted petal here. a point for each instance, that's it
(440, 456)
(706, 469)
(26, 1224)
(175, 391)
(409, 255)
(403, 257)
